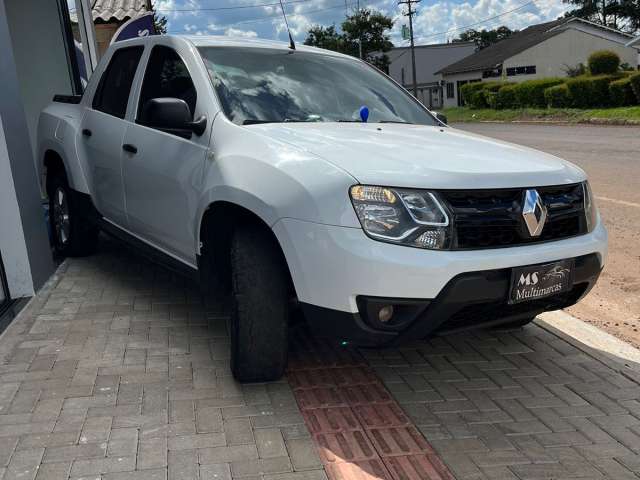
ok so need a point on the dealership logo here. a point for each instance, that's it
(556, 273)
(528, 280)
(534, 212)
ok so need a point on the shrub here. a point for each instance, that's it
(531, 92)
(635, 85)
(474, 94)
(558, 96)
(467, 91)
(506, 97)
(491, 93)
(575, 70)
(621, 93)
(588, 92)
(477, 99)
(603, 62)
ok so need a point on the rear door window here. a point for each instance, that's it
(113, 90)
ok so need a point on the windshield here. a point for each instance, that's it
(259, 85)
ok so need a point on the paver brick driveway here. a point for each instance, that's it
(117, 371)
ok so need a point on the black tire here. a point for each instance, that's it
(515, 324)
(73, 236)
(260, 306)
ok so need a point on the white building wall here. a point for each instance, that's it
(429, 59)
(454, 79)
(570, 47)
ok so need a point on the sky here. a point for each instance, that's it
(436, 21)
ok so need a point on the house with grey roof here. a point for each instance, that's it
(109, 15)
(538, 51)
(429, 59)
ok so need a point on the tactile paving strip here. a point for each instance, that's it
(360, 431)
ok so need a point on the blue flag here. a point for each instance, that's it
(136, 27)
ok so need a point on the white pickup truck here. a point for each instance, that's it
(302, 180)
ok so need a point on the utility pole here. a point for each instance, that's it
(360, 36)
(410, 13)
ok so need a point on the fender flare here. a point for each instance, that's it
(235, 196)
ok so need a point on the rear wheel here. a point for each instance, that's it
(72, 234)
(260, 306)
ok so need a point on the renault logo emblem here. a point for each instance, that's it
(534, 212)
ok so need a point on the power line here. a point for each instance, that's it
(481, 21)
(471, 24)
(270, 17)
(237, 7)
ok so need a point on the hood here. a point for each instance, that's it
(417, 156)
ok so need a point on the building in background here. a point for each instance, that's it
(108, 16)
(429, 59)
(543, 50)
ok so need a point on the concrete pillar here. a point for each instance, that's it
(23, 236)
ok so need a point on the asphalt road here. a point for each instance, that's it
(611, 158)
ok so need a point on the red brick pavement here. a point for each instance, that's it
(360, 431)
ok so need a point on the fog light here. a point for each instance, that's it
(385, 313)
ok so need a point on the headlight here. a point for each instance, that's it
(590, 209)
(397, 215)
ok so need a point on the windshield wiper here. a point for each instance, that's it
(255, 121)
(395, 121)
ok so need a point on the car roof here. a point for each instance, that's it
(226, 41)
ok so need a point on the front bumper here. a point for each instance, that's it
(333, 266)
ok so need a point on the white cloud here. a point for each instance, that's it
(444, 20)
(236, 32)
(436, 21)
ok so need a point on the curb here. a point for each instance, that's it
(565, 123)
(602, 346)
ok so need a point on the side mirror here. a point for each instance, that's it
(441, 117)
(171, 115)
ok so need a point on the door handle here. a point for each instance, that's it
(86, 132)
(127, 147)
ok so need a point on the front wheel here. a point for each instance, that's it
(72, 234)
(260, 310)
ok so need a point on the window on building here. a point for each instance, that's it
(450, 90)
(527, 70)
(112, 94)
(167, 76)
(496, 72)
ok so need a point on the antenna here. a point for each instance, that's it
(292, 44)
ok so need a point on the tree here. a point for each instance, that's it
(618, 14)
(370, 28)
(159, 21)
(484, 38)
(324, 37)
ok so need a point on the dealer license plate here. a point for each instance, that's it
(540, 281)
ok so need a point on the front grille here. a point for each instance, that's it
(493, 218)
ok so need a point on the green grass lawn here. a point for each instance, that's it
(613, 116)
